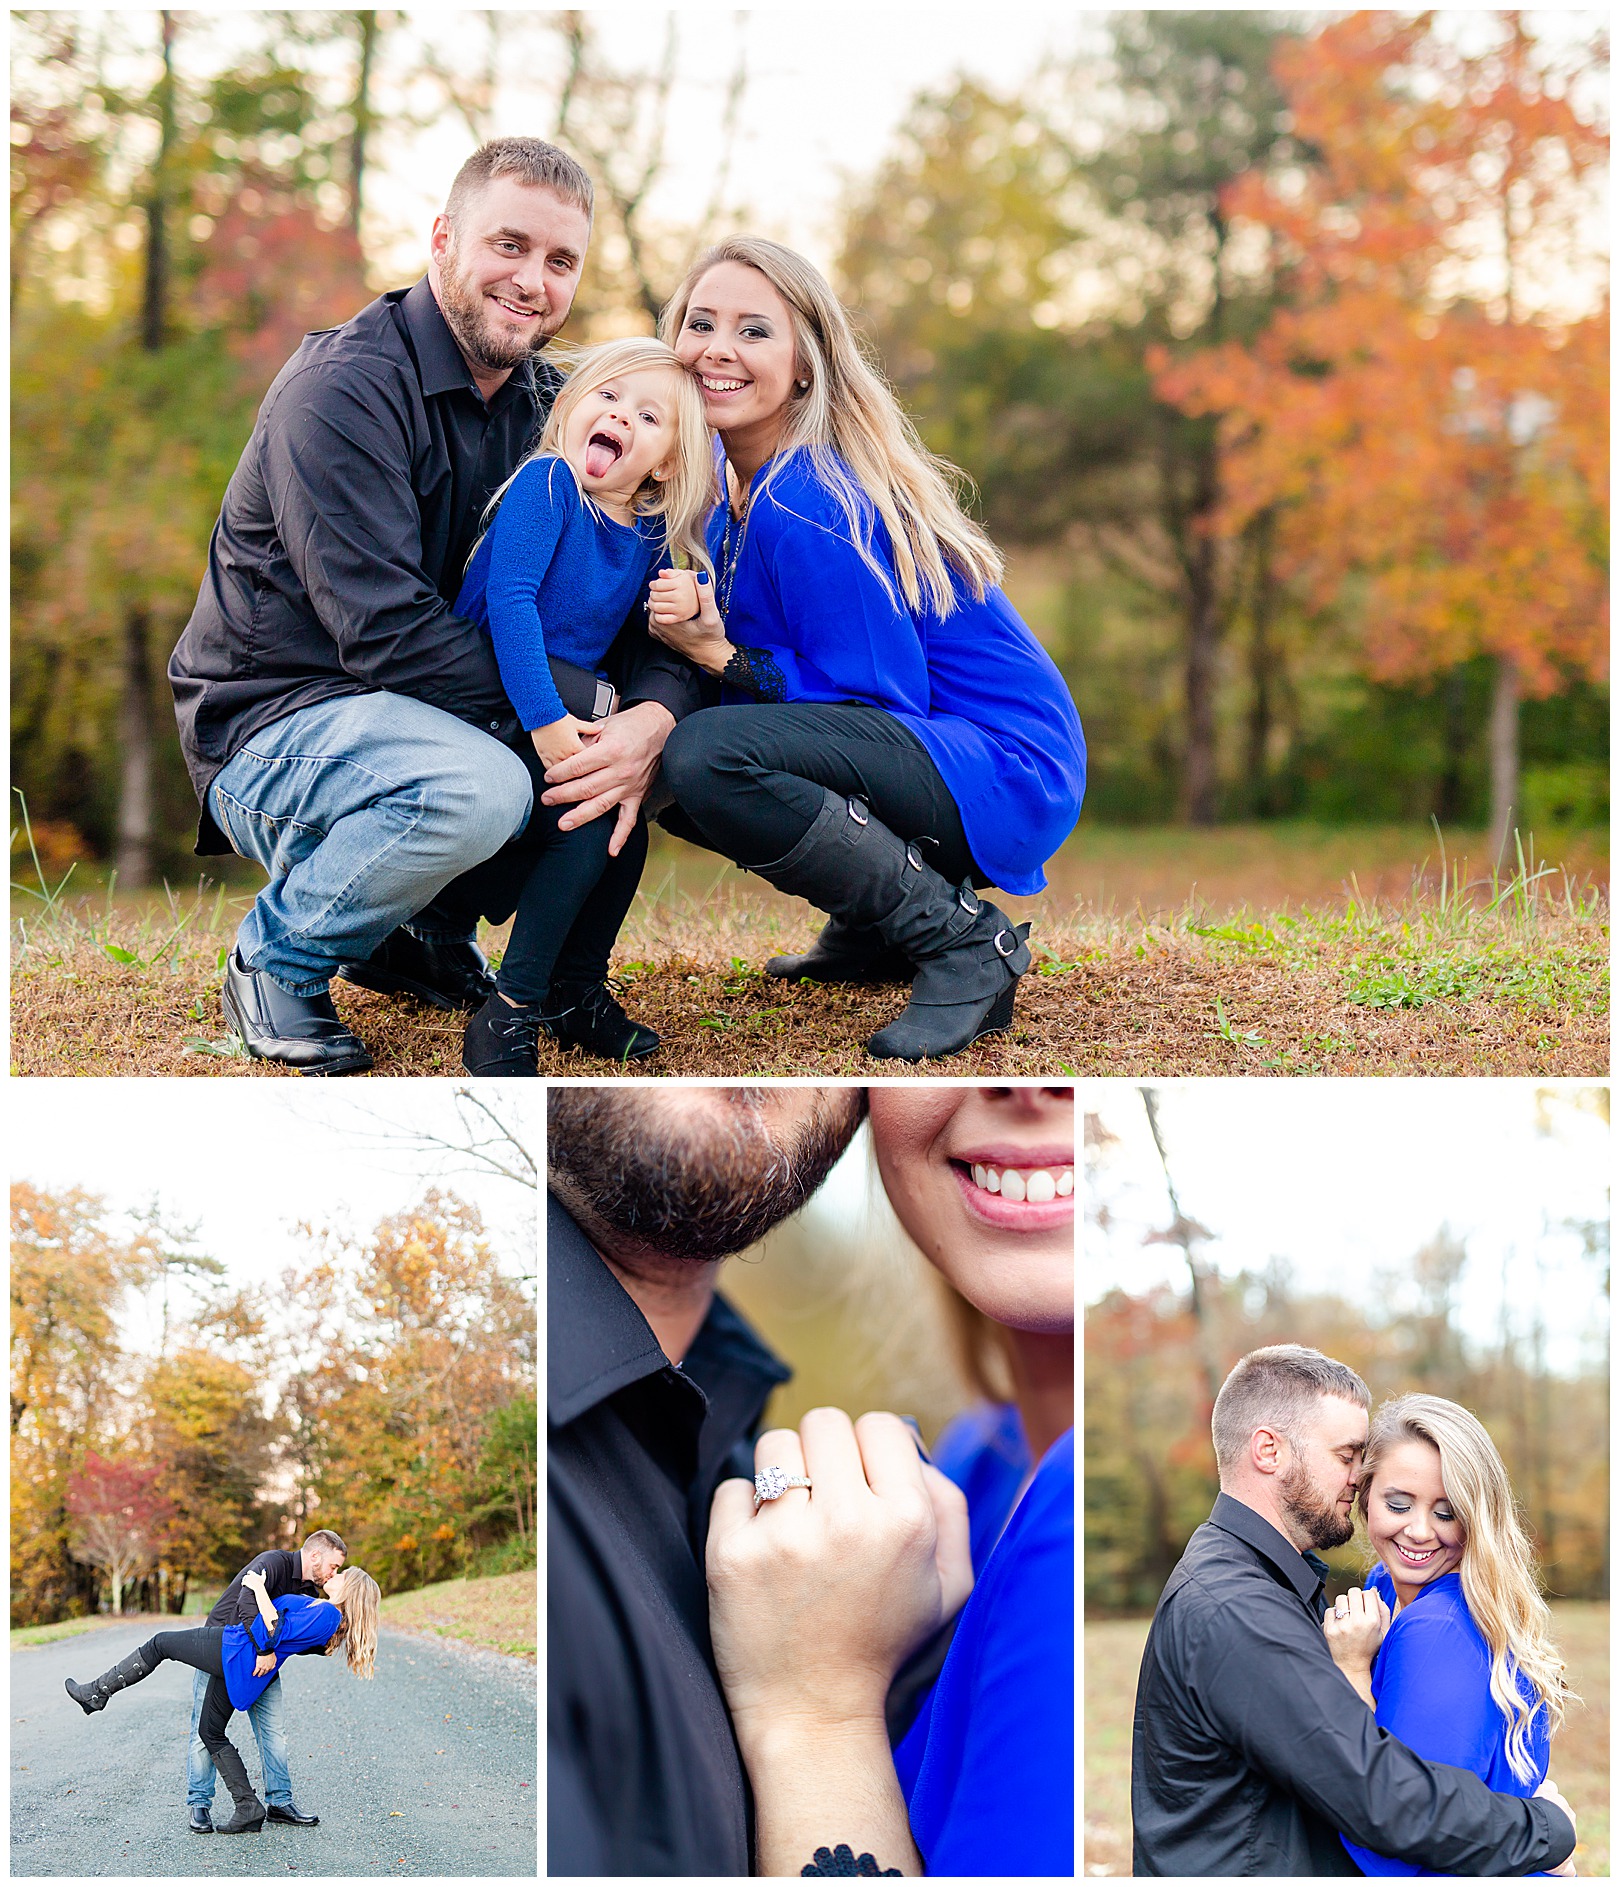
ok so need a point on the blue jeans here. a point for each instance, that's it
(361, 810)
(269, 1732)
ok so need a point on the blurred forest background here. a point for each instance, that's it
(1275, 344)
(383, 1385)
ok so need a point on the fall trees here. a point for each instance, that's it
(1422, 424)
(385, 1388)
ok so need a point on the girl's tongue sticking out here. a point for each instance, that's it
(602, 453)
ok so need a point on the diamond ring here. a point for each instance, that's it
(772, 1483)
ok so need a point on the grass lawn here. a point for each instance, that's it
(66, 1628)
(1336, 962)
(495, 1614)
(1113, 1654)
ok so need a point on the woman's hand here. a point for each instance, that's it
(253, 1580)
(700, 637)
(561, 738)
(1354, 1628)
(1550, 1789)
(818, 1597)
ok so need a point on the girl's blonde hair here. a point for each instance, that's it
(686, 497)
(357, 1633)
(849, 410)
(1498, 1566)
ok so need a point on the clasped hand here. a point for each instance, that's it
(683, 615)
(1354, 1639)
(817, 1598)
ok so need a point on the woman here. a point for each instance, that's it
(819, 1594)
(1466, 1672)
(889, 733)
(233, 1655)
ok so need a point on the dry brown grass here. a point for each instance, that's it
(1510, 979)
(1113, 1655)
(495, 1614)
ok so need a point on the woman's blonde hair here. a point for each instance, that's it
(357, 1633)
(1498, 1566)
(849, 410)
(686, 497)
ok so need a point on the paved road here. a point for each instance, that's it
(427, 1770)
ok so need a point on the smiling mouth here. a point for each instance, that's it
(1415, 1559)
(521, 310)
(602, 453)
(720, 386)
(1038, 1185)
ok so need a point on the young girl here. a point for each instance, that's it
(621, 483)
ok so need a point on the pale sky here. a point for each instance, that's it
(1349, 1178)
(245, 1161)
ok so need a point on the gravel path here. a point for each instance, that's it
(430, 1769)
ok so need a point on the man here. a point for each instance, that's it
(1251, 1750)
(305, 1571)
(655, 1389)
(342, 726)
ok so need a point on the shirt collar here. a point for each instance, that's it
(441, 364)
(598, 1342)
(1303, 1571)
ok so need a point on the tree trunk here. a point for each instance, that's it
(1262, 661)
(136, 744)
(1504, 757)
(1199, 562)
(366, 24)
(117, 1593)
(155, 294)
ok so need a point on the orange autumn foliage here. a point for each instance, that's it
(1426, 424)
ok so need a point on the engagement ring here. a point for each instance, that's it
(772, 1483)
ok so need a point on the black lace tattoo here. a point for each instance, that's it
(840, 1860)
(755, 670)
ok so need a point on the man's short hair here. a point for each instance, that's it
(531, 161)
(324, 1536)
(1277, 1388)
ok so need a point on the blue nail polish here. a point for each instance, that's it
(703, 576)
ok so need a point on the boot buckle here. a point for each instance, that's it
(967, 900)
(1006, 943)
(857, 812)
(914, 858)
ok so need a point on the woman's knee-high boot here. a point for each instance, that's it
(969, 955)
(93, 1696)
(249, 1816)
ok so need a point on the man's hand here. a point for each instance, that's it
(614, 770)
(1550, 1789)
(264, 1664)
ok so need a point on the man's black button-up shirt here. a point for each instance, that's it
(1252, 1751)
(642, 1767)
(283, 1573)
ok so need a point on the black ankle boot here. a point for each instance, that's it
(969, 956)
(501, 1040)
(845, 953)
(588, 1016)
(448, 972)
(93, 1696)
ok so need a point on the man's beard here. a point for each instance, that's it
(702, 1191)
(466, 314)
(1323, 1522)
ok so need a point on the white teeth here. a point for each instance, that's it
(1039, 1186)
(722, 386)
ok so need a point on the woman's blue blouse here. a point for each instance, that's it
(303, 1623)
(988, 1766)
(975, 687)
(1432, 1681)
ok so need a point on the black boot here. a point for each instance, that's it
(93, 1696)
(449, 973)
(501, 1040)
(249, 1816)
(589, 1017)
(844, 953)
(969, 956)
(306, 1032)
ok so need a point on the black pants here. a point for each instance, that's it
(203, 1649)
(570, 898)
(749, 781)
